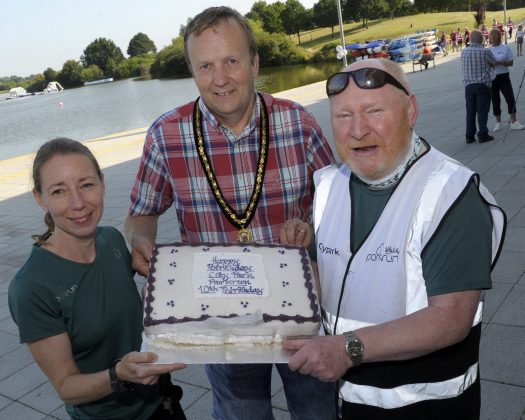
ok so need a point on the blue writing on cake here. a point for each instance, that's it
(229, 274)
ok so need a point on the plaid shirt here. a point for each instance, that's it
(477, 64)
(171, 173)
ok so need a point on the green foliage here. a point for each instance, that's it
(9, 82)
(122, 70)
(50, 75)
(105, 54)
(480, 8)
(38, 84)
(140, 65)
(276, 49)
(141, 44)
(269, 15)
(71, 74)
(182, 28)
(325, 53)
(92, 72)
(170, 61)
(394, 6)
(294, 18)
(325, 14)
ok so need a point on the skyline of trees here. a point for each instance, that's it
(102, 58)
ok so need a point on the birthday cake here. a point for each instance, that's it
(229, 294)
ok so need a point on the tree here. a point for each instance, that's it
(393, 6)
(276, 49)
(140, 65)
(480, 7)
(141, 44)
(38, 84)
(50, 75)
(293, 17)
(91, 73)
(268, 14)
(182, 28)
(71, 74)
(104, 53)
(325, 14)
(170, 61)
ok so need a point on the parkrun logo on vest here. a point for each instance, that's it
(328, 250)
(388, 254)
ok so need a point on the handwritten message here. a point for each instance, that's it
(229, 274)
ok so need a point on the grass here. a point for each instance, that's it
(388, 28)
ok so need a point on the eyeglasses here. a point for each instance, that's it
(366, 78)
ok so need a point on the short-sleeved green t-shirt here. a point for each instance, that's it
(99, 307)
(457, 258)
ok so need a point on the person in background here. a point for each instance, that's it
(454, 41)
(510, 27)
(467, 37)
(519, 40)
(501, 83)
(443, 43)
(426, 55)
(501, 29)
(485, 33)
(477, 63)
(417, 236)
(75, 301)
(459, 37)
(258, 153)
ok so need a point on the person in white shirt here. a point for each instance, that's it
(501, 82)
(519, 40)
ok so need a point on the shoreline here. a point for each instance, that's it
(116, 148)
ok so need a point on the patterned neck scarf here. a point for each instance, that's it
(393, 178)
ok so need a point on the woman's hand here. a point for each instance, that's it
(55, 357)
(141, 368)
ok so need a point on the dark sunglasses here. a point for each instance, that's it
(366, 78)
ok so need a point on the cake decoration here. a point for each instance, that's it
(228, 294)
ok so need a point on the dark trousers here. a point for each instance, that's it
(477, 97)
(502, 84)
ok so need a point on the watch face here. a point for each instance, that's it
(354, 348)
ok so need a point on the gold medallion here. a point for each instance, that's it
(239, 220)
(244, 235)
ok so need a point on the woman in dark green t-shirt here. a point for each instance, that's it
(75, 301)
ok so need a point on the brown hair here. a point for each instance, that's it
(211, 17)
(59, 146)
(495, 37)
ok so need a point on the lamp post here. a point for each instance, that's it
(341, 29)
(505, 18)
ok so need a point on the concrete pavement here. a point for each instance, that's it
(26, 394)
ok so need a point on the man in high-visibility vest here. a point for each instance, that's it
(405, 240)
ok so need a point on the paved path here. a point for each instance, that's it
(24, 390)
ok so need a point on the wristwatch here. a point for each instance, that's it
(118, 385)
(354, 348)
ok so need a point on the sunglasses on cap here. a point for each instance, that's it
(365, 78)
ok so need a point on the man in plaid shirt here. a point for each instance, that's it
(476, 64)
(232, 122)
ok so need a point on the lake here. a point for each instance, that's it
(99, 110)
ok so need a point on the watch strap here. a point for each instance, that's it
(354, 347)
(118, 385)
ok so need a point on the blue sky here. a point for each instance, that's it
(37, 34)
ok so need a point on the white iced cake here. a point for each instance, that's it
(209, 294)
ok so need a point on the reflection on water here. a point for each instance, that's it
(99, 110)
(277, 79)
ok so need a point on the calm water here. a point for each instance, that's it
(95, 111)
